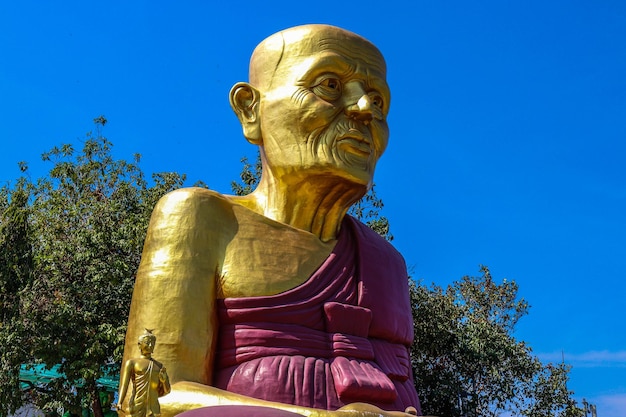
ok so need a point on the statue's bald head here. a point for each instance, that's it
(317, 101)
(271, 54)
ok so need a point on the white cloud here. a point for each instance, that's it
(610, 405)
(592, 359)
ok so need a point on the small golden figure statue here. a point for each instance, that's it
(149, 378)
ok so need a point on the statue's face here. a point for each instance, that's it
(146, 345)
(326, 106)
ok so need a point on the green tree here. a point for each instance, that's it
(16, 267)
(249, 177)
(548, 396)
(83, 230)
(466, 361)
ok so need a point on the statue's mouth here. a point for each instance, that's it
(355, 142)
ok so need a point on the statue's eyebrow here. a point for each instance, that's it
(380, 85)
(328, 62)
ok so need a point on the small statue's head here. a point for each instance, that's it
(146, 342)
(317, 102)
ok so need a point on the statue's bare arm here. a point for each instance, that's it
(124, 381)
(175, 290)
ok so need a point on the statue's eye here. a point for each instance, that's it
(329, 89)
(377, 100)
(331, 83)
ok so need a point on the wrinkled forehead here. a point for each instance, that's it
(281, 52)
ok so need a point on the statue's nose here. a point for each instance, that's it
(362, 110)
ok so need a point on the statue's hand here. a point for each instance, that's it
(368, 410)
(162, 374)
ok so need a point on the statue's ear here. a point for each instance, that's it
(244, 99)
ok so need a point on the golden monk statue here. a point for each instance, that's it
(149, 380)
(278, 298)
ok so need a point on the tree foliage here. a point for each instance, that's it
(71, 243)
(16, 273)
(249, 177)
(466, 361)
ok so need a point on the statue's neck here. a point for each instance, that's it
(316, 204)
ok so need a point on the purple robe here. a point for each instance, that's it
(343, 336)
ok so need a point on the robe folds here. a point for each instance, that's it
(144, 398)
(341, 337)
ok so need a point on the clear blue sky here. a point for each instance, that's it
(507, 148)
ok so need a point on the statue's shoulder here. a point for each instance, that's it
(374, 246)
(197, 206)
(193, 195)
(158, 364)
(193, 199)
